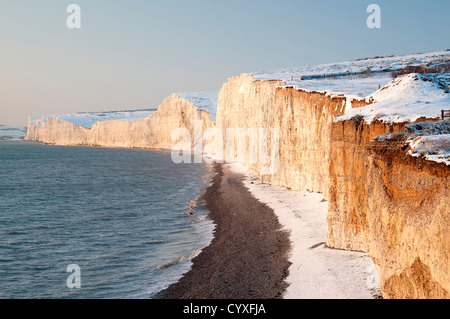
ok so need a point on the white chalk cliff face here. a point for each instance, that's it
(302, 119)
(152, 131)
(327, 118)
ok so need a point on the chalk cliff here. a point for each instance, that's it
(303, 120)
(380, 199)
(408, 222)
(347, 195)
(323, 152)
(153, 131)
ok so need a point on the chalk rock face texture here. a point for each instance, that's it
(303, 120)
(154, 131)
(408, 219)
(407, 236)
(347, 195)
(56, 131)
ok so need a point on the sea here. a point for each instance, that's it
(97, 223)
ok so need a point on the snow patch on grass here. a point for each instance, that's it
(432, 147)
(405, 99)
(430, 140)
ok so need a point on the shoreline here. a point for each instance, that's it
(248, 256)
(269, 243)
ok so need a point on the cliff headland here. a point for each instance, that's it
(372, 143)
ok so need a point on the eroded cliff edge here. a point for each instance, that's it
(408, 222)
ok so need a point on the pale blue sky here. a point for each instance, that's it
(134, 53)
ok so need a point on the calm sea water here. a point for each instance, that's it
(121, 215)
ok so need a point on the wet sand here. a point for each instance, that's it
(248, 257)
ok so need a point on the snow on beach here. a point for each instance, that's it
(316, 271)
